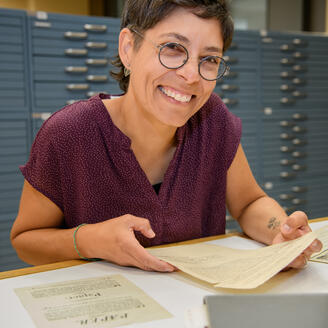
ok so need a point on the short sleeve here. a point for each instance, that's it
(224, 129)
(233, 130)
(42, 169)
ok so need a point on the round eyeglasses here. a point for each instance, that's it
(174, 55)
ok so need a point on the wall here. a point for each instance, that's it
(80, 7)
(318, 20)
(14, 4)
(327, 16)
(285, 15)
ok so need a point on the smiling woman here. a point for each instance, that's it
(158, 164)
(163, 92)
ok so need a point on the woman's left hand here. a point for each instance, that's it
(296, 225)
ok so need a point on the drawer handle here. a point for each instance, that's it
(286, 149)
(298, 201)
(299, 189)
(76, 52)
(286, 196)
(299, 81)
(97, 62)
(287, 75)
(71, 101)
(286, 100)
(229, 218)
(286, 136)
(267, 40)
(43, 116)
(97, 78)
(286, 161)
(267, 111)
(299, 55)
(287, 175)
(299, 94)
(298, 154)
(229, 101)
(42, 24)
(96, 45)
(268, 185)
(299, 68)
(286, 87)
(299, 142)
(287, 47)
(299, 117)
(230, 60)
(229, 87)
(286, 123)
(299, 129)
(95, 28)
(229, 74)
(287, 61)
(77, 87)
(289, 209)
(94, 93)
(75, 35)
(299, 42)
(298, 167)
(76, 69)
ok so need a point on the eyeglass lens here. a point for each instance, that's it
(174, 55)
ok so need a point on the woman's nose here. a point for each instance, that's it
(189, 71)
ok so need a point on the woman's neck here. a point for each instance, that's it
(143, 129)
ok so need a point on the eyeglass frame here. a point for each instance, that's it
(160, 47)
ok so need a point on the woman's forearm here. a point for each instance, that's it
(48, 245)
(261, 220)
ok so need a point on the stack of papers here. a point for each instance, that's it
(235, 268)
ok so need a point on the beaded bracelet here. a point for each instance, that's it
(74, 240)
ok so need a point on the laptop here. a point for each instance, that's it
(267, 311)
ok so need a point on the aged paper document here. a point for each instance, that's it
(322, 256)
(109, 301)
(233, 268)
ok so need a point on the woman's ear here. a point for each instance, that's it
(125, 47)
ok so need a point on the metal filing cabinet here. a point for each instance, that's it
(239, 90)
(70, 59)
(294, 105)
(14, 125)
(277, 85)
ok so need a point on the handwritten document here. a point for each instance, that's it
(233, 268)
(322, 256)
(109, 301)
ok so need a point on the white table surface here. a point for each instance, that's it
(176, 292)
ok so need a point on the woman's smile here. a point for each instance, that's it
(177, 96)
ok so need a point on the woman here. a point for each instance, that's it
(108, 176)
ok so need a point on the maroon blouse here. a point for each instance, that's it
(83, 163)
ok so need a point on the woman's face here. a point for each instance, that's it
(172, 96)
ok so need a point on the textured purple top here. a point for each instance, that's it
(83, 163)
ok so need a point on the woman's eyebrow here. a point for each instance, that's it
(176, 36)
(185, 40)
(214, 49)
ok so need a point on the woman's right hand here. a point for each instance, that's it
(114, 240)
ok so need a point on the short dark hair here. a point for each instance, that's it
(145, 14)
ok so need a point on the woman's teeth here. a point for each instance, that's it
(176, 96)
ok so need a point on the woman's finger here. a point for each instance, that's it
(299, 263)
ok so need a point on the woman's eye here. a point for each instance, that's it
(212, 60)
(174, 47)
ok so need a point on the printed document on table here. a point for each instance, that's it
(322, 256)
(233, 268)
(108, 301)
